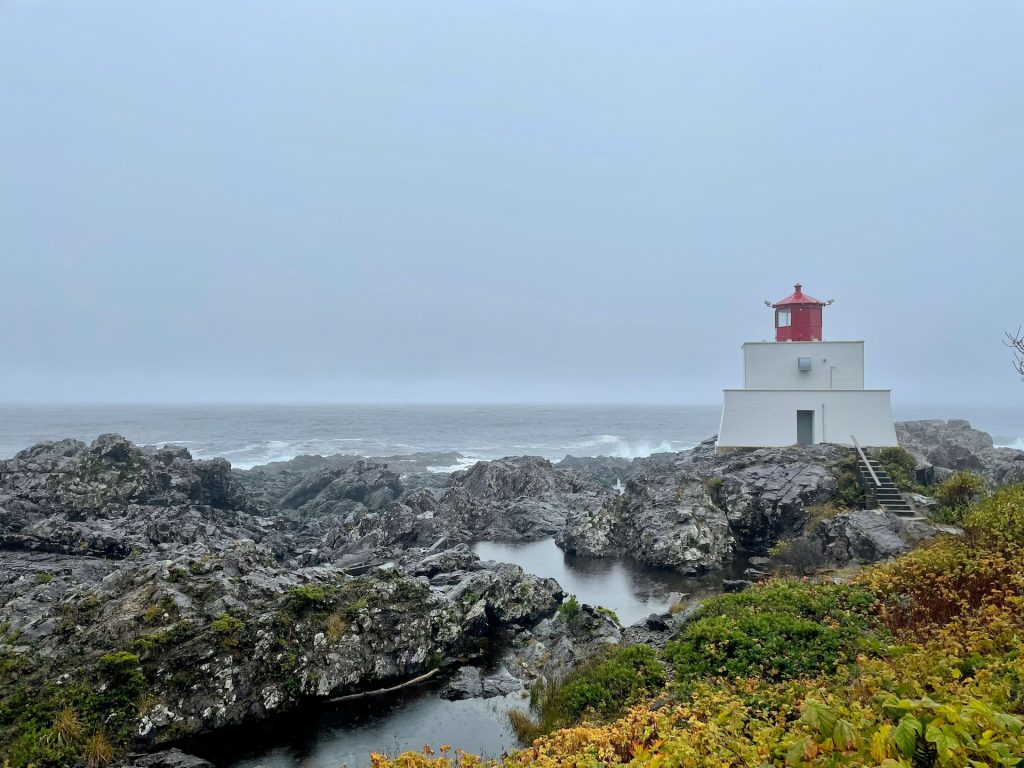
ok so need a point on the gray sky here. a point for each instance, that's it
(503, 200)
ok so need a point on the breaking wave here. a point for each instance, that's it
(622, 448)
(1011, 442)
(258, 452)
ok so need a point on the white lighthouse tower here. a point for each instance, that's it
(801, 390)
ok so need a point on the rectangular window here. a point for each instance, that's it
(784, 318)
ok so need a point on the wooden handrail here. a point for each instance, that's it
(864, 458)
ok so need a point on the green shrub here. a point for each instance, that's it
(781, 631)
(125, 682)
(306, 597)
(955, 495)
(571, 610)
(999, 519)
(599, 689)
(228, 629)
(157, 612)
(850, 492)
(899, 464)
(50, 724)
(818, 512)
(624, 676)
(798, 556)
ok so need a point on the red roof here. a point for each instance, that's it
(798, 297)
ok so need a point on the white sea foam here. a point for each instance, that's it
(621, 448)
(262, 452)
(256, 453)
(1017, 443)
(464, 463)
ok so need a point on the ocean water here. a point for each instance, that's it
(248, 435)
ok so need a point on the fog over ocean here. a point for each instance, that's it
(248, 435)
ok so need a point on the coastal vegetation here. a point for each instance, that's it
(603, 687)
(61, 724)
(897, 462)
(912, 663)
(955, 494)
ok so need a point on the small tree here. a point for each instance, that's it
(955, 495)
(1015, 341)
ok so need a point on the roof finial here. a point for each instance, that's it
(798, 287)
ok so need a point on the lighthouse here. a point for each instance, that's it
(801, 390)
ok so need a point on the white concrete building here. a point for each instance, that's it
(801, 390)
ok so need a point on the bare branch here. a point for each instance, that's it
(1015, 341)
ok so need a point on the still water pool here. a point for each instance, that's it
(630, 588)
(345, 734)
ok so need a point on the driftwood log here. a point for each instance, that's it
(392, 689)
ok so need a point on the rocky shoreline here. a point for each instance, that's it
(217, 597)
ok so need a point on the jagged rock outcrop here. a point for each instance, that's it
(269, 483)
(766, 493)
(169, 758)
(666, 520)
(341, 490)
(609, 471)
(229, 637)
(554, 646)
(858, 537)
(478, 683)
(516, 498)
(113, 499)
(689, 510)
(954, 446)
(229, 610)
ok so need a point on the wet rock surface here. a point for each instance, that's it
(554, 646)
(858, 537)
(518, 498)
(956, 446)
(692, 510)
(475, 683)
(233, 610)
(170, 758)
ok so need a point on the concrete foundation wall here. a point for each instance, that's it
(764, 417)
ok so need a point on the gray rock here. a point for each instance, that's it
(473, 683)
(552, 648)
(659, 622)
(690, 510)
(766, 493)
(736, 585)
(607, 470)
(867, 536)
(955, 446)
(517, 498)
(666, 519)
(170, 758)
(237, 610)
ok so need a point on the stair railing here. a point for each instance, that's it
(864, 458)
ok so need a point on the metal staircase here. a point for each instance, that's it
(879, 488)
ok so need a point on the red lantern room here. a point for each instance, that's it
(798, 317)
